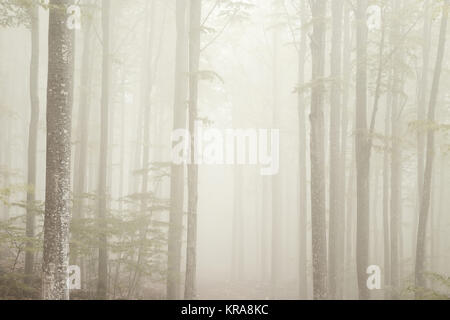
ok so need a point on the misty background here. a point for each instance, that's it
(358, 89)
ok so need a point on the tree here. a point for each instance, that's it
(194, 57)
(318, 215)
(362, 151)
(301, 105)
(102, 285)
(386, 231)
(395, 197)
(177, 171)
(58, 163)
(335, 234)
(32, 135)
(276, 179)
(425, 202)
(421, 104)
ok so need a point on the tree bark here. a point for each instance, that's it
(32, 139)
(177, 171)
(194, 59)
(318, 214)
(59, 126)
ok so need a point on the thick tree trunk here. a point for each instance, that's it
(177, 171)
(425, 202)
(318, 214)
(194, 58)
(32, 138)
(102, 285)
(362, 150)
(59, 127)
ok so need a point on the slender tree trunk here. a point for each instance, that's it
(335, 234)
(32, 138)
(374, 215)
(318, 214)
(386, 234)
(59, 127)
(276, 249)
(194, 57)
(395, 200)
(102, 285)
(177, 171)
(301, 105)
(345, 207)
(266, 199)
(237, 261)
(421, 107)
(362, 151)
(425, 202)
(441, 212)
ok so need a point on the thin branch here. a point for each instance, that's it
(220, 32)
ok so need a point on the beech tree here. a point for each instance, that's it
(318, 214)
(59, 128)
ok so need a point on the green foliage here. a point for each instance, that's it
(137, 238)
(13, 286)
(438, 289)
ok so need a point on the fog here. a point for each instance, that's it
(224, 149)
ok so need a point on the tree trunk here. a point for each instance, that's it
(318, 214)
(395, 201)
(32, 138)
(237, 259)
(194, 57)
(425, 202)
(303, 281)
(335, 220)
(345, 207)
(102, 285)
(362, 151)
(386, 233)
(59, 126)
(421, 106)
(276, 249)
(177, 171)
